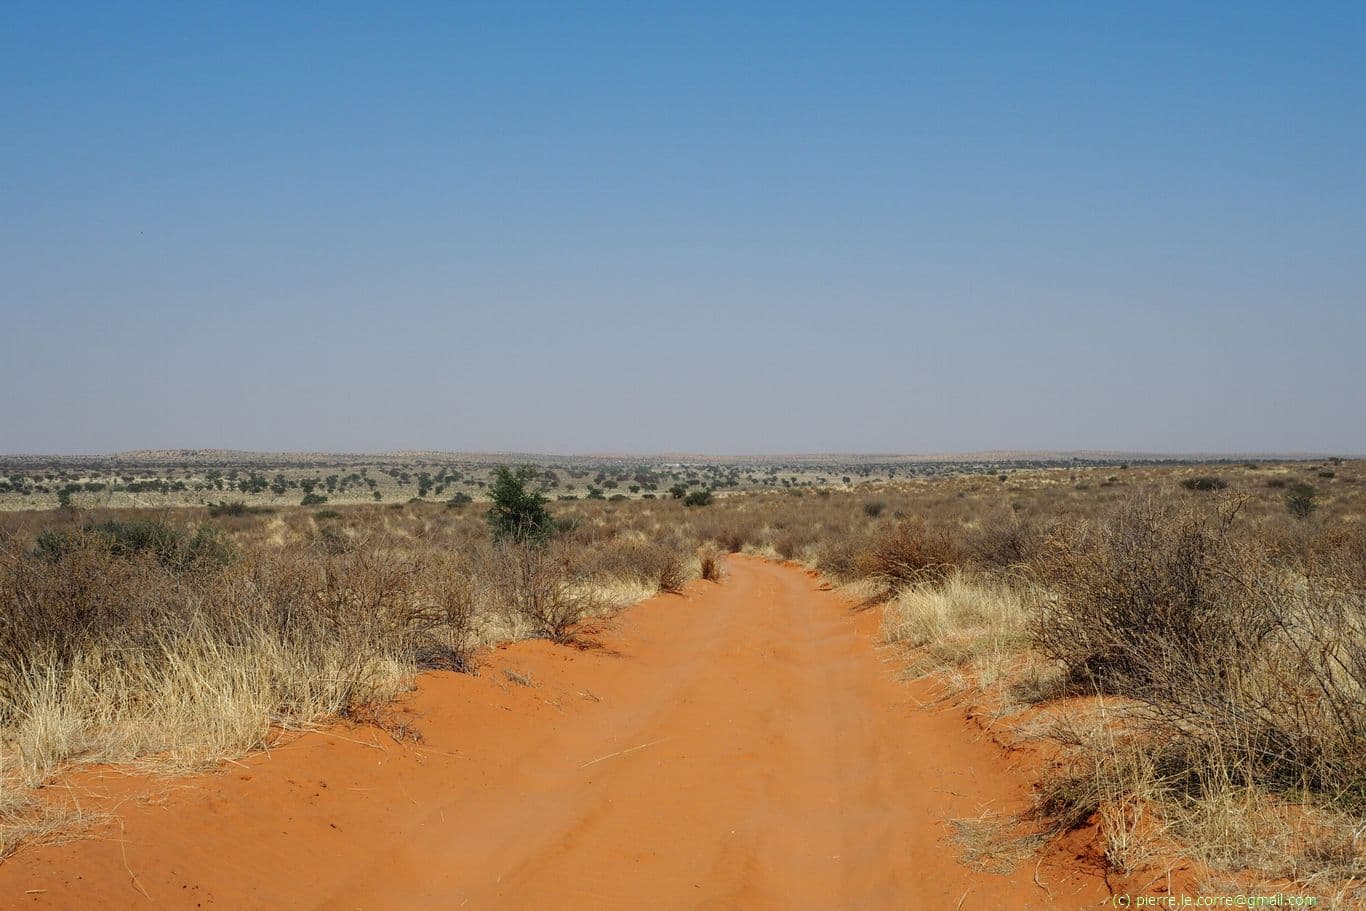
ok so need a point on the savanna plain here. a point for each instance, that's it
(418, 681)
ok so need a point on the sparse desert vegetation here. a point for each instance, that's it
(1205, 641)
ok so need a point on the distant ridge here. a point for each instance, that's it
(240, 456)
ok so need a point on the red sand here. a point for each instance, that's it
(741, 746)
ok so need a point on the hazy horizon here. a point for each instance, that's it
(692, 229)
(1003, 454)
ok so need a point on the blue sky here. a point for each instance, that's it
(694, 227)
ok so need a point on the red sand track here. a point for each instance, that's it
(741, 746)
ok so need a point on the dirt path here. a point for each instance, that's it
(741, 746)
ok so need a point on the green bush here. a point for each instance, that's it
(518, 513)
(313, 499)
(698, 498)
(138, 537)
(236, 508)
(209, 546)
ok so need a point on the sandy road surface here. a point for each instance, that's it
(740, 746)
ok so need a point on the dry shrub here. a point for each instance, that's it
(1171, 608)
(908, 552)
(1150, 795)
(710, 562)
(732, 536)
(1004, 541)
(838, 559)
(536, 582)
(109, 656)
(661, 566)
(787, 546)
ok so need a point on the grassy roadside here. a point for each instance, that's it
(175, 645)
(1210, 691)
(1109, 610)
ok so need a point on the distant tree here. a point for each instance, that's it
(1300, 500)
(518, 512)
(698, 498)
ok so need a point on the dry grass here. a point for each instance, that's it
(1234, 635)
(993, 842)
(1236, 643)
(710, 564)
(133, 647)
(1155, 800)
(960, 621)
(1174, 609)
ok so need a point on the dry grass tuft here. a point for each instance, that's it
(958, 621)
(711, 565)
(993, 843)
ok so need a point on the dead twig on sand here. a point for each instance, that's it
(622, 752)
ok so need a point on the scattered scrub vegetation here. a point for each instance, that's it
(1230, 631)
(1228, 645)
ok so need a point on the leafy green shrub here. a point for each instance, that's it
(313, 499)
(459, 499)
(518, 514)
(209, 546)
(698, 498)
(53, 544)
(138, 536)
